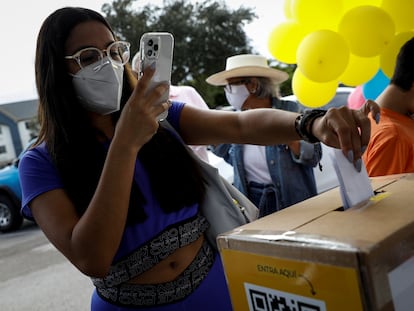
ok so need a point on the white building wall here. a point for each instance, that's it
(24, 133)
(7, 151)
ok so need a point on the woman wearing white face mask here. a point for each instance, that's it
(118, 193)
(273, 177)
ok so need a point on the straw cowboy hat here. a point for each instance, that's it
(247, 65)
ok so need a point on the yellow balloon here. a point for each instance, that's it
(360, 70)
(317, 14)
(322, 55)
(284, 41)
(367, 29)
(312, 94)
(389, 56)
(401, 11)
(350, 4)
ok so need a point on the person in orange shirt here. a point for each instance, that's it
(391, 147)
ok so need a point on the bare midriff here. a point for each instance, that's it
(172, 266)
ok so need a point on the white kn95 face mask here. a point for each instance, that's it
(99, 86)
(236, 95)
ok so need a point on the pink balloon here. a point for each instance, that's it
(356, 99)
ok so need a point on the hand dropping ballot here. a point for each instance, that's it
(355, 187)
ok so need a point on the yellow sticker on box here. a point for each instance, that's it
(258, 282)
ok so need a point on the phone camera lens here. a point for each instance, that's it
(149, 52)
(155, 47)
(150, 42)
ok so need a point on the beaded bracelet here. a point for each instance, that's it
(304, 122)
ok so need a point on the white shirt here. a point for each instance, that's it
(255, 164)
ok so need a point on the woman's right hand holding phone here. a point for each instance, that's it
(138, 122)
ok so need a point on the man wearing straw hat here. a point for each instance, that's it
(273, 177)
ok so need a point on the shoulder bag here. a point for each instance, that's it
(224, 206)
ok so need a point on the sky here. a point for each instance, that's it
(20, 22)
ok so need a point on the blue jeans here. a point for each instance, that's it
(264, 197)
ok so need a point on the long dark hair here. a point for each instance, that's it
(72, 141)
(403, 75)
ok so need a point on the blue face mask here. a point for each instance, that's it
(99, 86)
(236, 95)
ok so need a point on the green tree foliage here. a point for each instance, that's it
(127, 23)
(286, 87)
(205, 33)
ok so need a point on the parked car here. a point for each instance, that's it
(11, 195)
(325, 174)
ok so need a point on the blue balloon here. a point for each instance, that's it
(374, 87)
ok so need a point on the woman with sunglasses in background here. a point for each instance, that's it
(116, 193)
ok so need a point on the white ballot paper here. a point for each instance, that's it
(355, 187)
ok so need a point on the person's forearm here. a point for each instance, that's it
(99, 231)
(268, 126)
(256, 126)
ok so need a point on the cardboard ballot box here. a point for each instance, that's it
(314, 256)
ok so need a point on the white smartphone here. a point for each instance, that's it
(157, 47)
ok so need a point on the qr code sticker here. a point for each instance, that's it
(268, 299)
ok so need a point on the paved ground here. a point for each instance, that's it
(35, 277)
